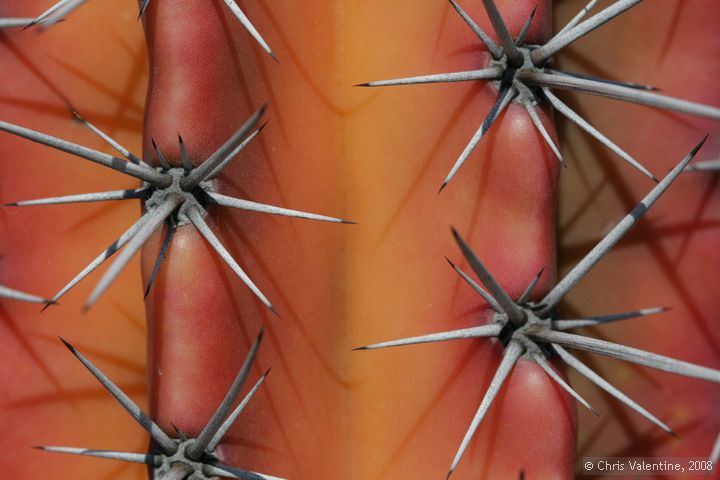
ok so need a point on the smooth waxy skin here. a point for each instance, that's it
(397, 281)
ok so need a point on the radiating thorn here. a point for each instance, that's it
(612, 238)
(225, 471)
(579, 121)
(245, 21)
(241, 204)
(586, 372)
(529, 289)
(65, 9)
(217, 438)
(715, 454)
(636, 86)
(143, 6)
(489, 73)
(161, 158)
(515, 58)
(201, 443)
(543, 131)
(604, 89)
(49, 12)
(235, 152)
(137, 171)
(161, 257)
(483, 331)
(166, 443)
(622, 352)
(590, 322)
(506, 94)
(481, 291)
(576, 19)
(525, 28)
(104, 255)
(541, 55)
(144, 458)
(15, 22)
(154, 220)
(512, 353)
(706, 166)
(545, 365)
(12, 294)
(514, 312)
(196, 218)
(130, 194)
(491, 46)
(110, 141)
(186, 163)
(200, 173)
(178, 471)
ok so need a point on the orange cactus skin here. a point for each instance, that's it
(199, 325)
(394, 279)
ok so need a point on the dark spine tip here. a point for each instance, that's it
(442, 187)
(38, 447)
(260, 129)
(272, 55)
(357, 349)
(450, 262)
(275, 312)
(267, 372)
(348, 222)
(67, 344)
(699, 145)
(13, 204)
(366, 84)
